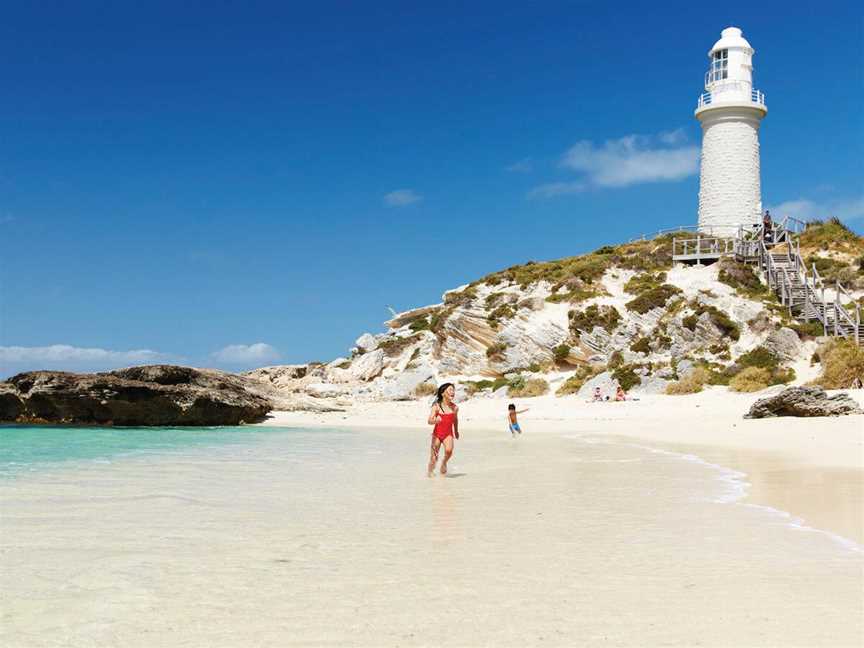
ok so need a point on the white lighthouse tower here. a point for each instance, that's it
(730, 112)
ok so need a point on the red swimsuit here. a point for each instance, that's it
(444, 427)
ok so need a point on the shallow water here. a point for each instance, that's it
(298, 537)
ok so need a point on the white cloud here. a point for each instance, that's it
(402, 197)
(634, 159)
(553, 189)
(803, 209)
(64, 357)
(673, 137)
(522, 166)
(246, 354)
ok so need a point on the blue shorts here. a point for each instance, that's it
(514, 427)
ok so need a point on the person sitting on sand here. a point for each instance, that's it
(619, 394)
(445, 417)
(512, 421)
(598, 395)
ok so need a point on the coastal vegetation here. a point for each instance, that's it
(528, 388)
(653, 297)
(626, 376)
(692, 383)
(842, 365)
(649, 255)
(606, 317)
(496, 351)
(501, 312)
(425, 389)
(395, 345)
(831, 234)
(575, 382)
(641, 345)
(751, 379)
(561, 352)
(642, 283)
(717, 317)
(741, 277)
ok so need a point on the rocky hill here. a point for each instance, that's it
(619, 315)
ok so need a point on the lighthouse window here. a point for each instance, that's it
(720, 65)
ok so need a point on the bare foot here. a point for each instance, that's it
(443, 469)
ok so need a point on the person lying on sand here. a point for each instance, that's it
(512, 421)
(445, 417)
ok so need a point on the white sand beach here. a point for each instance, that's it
(811, 468)
(593, 529)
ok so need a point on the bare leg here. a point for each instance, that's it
(448, 452)
(433, 455)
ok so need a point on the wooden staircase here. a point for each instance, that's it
(804, 293)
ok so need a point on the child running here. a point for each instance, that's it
(512, 421)
(445, 417)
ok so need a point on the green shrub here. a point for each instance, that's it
(720, 319)
(644, 282)
(574, 383)
(438, 318)
(616, 359)
(652, 298)
(502, 312)
(627, 377)
(758, 357)
(529, 388)
(741, 277)
(781, 376)
(690, 384)
(395, 345)
(561, 352)
(751, 379)
(719, 349)
(496, 351)
(573, 295)
(461, 298)
(606, 317)
(419, 324)
(842, 364)
(492, 299)
(807, 330)
(642, 345)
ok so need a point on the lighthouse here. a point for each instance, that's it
(730, 111)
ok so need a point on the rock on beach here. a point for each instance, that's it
(803, 401)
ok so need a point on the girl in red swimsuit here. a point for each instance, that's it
(445, 417)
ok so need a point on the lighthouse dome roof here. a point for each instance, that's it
(731, 38)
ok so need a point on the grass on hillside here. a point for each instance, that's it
(653, 255)
(831, 234)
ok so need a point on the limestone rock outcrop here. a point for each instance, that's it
(149, 395)
(783, 343)
(803, 401)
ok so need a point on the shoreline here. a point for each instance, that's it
(809, 469)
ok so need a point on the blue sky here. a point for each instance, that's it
(232, 186)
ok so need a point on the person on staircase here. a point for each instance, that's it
(767, 228)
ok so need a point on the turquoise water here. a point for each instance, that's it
(26, 448)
